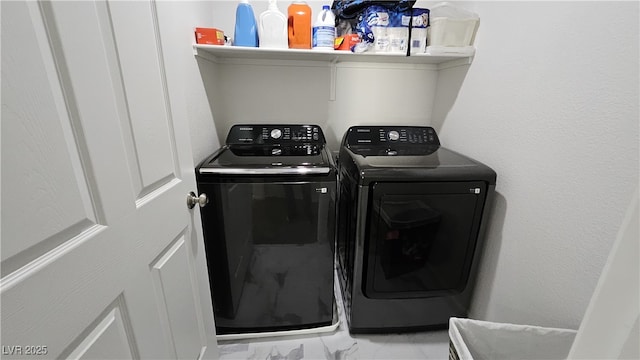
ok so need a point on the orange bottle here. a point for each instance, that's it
(299, 23)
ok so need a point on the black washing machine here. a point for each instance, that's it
(411, 220)
(269, 228)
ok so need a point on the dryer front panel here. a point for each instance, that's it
(421, 238)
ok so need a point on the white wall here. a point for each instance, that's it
(178, 19)
(610, 328)
(551, 103)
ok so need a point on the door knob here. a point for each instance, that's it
(192, 200)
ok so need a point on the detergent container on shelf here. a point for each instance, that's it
(273, 28)
(324, 30)
(246, 30)
(299, 25)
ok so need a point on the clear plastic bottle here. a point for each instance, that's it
(246, 31)
(273, 28)
(324, 29)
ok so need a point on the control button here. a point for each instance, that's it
(276, 133)
(393, 135)
(276, 151)
(315, 136)
(392, 152)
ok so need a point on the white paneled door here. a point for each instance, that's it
(101, 257)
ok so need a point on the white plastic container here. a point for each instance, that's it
(273, 28)
(324, 30)
(452, 26)
(475, 340)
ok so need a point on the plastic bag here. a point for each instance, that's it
(349, 9)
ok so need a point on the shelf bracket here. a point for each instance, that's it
(333, 76)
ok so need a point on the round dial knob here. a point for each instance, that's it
(393, 135)
(276, 133)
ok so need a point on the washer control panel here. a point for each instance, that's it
(388, 136)
(275, 135)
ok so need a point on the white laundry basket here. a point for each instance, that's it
(477, 340)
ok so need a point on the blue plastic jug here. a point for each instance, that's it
(246, 31)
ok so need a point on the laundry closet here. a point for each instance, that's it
(333, 90)
(107, 109)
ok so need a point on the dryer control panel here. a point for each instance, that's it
(390, 136)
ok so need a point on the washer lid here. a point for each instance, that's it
(277, 149)
(227, 161)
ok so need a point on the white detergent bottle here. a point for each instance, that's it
(324, 30)
(273, 28)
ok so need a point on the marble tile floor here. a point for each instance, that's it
(340, 345)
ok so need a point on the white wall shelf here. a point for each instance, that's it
(442, 57)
